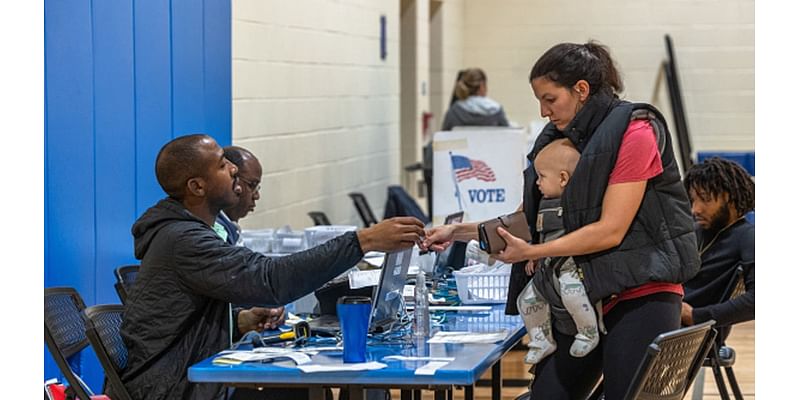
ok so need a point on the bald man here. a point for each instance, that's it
(178, 309)
(249, 177)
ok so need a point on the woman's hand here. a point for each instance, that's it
(439, 238)
(516, 249)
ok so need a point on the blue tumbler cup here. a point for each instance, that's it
(353, 314)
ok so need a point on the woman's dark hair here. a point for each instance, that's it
(567, 63)
(716, 176)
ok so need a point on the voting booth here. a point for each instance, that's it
(477, 170)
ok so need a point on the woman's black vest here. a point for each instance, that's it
(660, 245)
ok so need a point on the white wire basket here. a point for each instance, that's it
(482, 288)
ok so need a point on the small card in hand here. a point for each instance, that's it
(515, 223)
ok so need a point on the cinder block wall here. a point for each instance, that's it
(446, 54)
(317, 105)
(714, 43)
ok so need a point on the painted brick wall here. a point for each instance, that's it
(714, 44)
(317, 105)
(447, 55)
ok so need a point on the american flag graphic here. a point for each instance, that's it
(464, 168)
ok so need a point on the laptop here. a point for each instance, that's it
(386, 297)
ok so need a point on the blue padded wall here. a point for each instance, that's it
(122, 78)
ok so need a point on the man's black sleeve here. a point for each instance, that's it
(733, 311)
(238, 275)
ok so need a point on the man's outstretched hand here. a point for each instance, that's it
(391, 234)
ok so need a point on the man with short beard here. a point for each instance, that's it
(722, 193)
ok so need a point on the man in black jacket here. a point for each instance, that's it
(722, 193)
(178, 309)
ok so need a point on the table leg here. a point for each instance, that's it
(440, 394)
(316, 393)
(406, 394)
(356, 392)
(417, 394)
(497, 381)
(469, 392)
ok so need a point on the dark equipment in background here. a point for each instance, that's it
(670, 68)
(319, 218)
(363, 208)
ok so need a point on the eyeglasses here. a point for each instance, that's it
(254, 186)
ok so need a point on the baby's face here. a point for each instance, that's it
(549, 182)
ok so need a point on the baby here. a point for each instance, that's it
(555, 164)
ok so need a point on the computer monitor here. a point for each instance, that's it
(387, 298)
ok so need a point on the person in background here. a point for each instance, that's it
(625, 212)
(249, 177)
(178, 314)
(722, 193)
(473, 107)
(227, 227)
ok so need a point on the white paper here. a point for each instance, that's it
(410, 358)
(430, 368)
(374, 258)
(468, 337)
(408, 291)
(238, 357)
(320, 349)
(460, 308)
(360, 279)
(367, 366)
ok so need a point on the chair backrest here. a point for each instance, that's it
(103, 323)
(735, 287)
(363, 208)
(319, 218)
(64, 333)
(671, 363)
(126, 275)
(400, 204)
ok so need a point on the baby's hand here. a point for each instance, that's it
(530, 267)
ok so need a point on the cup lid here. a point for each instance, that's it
(354, 300)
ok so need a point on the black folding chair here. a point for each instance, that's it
(723, 356)
(669, 366)
(102, 324)
(363, 208)
(64, 334)
(671, 363)
(319, 218)
(126, 275)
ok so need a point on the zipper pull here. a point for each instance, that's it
(560, 211)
